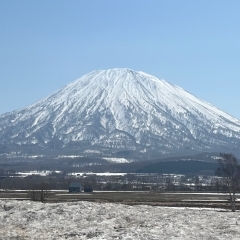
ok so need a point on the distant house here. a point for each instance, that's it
(75, 187)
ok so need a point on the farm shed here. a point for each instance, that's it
(75, 187)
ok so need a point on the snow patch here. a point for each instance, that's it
(117, 160)
(88, 220)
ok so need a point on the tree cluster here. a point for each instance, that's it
(229, 171)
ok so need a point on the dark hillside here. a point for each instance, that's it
(179, 167)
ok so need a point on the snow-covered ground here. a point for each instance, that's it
(40, 173)
(118, 160)
(97, 174)
(87, 220)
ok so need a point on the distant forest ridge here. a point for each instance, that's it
(180, 167)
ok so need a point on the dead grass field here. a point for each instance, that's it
(175, 199)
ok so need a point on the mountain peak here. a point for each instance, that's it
(122, 109)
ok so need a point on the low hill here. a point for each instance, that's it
(180, 167)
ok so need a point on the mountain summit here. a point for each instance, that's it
(115, 110)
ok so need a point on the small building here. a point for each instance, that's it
(75, 187)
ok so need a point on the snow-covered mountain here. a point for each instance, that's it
(121, 110)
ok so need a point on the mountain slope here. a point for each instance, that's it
(121, 109)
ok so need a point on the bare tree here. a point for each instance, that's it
(39, 192)
(33, 194)
(229, 170)
(44, 191)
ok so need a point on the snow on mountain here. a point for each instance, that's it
(125, 110)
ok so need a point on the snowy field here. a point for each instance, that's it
(87, 220)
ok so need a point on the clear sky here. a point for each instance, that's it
(191, 43)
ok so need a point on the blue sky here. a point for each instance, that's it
(47, 44)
